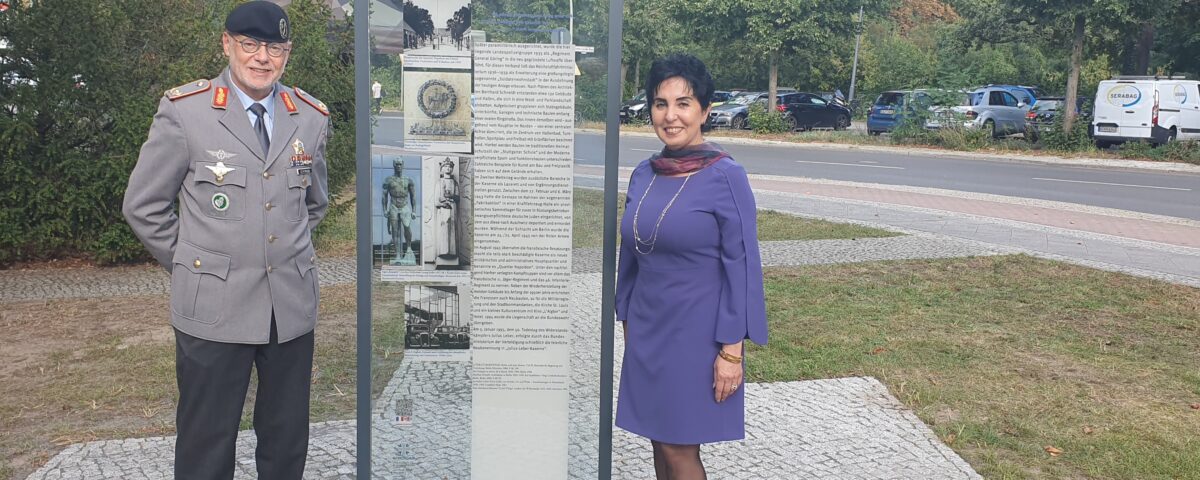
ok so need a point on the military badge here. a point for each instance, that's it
(220, 201)
(300, 159)
(221, 155)
(219, 170)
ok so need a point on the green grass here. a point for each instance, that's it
(589, 216)
(1003, 356)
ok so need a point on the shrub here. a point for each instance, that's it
(762, 121)
(1075, 140)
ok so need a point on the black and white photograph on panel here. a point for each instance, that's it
(437, 100)
(396, 211)
(437, 322)
(437, 27)
(447, 215)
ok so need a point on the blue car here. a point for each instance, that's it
(892, 108)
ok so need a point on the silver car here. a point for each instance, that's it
(990, 108)
(734, 113)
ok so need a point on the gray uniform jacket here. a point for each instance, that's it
(240, 247)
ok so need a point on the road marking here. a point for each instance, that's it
(851, 164)
(1112, 184)
(644, 150)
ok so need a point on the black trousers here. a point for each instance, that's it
(213, 378)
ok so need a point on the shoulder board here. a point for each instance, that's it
(188, 89)
(317, 104)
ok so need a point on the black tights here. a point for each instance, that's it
(677, 462)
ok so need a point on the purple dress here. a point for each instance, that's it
(701, 287)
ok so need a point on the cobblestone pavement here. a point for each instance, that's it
(835, 429)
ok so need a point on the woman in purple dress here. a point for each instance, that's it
(689, 280)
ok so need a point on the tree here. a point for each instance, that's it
(419, 19)
(772, 28)
(459, 24)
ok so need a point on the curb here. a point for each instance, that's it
(1148, 165)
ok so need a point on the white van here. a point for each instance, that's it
(1145, 108)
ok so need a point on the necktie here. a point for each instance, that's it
(260, 127)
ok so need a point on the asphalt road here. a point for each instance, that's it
(1170, 194)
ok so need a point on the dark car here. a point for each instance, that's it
(805, 111)
(1041, 117)
(417, 336)
(634, 110)
(445, 337)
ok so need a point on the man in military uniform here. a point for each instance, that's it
(243, 159)
(399, 199)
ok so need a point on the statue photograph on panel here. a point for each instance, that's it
(399, 202)
(396, 225)
(446, 218)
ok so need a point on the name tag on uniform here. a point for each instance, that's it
(303, 171)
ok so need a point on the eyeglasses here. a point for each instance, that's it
(273, 49)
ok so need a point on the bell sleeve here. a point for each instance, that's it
(742, 308)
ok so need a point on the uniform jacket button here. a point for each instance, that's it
(271, 238)
(266, 174)
(312, 259)
(269, 206)
(196, 263)
(270, 269)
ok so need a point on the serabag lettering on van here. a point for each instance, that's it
(1124, 96)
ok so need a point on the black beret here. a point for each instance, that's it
(260, 20)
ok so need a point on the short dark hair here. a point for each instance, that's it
(687, 67)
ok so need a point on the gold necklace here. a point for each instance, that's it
(637, 237)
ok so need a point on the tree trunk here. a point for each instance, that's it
(1073, 77)
(1145, 43)
(772, 81)
(637, 76)
(624, 78)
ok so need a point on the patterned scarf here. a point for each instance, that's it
(686, 160)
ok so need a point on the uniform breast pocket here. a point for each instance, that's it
(298, 181)
(198, 283)
(221, 190)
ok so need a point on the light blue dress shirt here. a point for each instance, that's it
(268, 103)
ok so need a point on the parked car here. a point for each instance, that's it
(1041, 117)
(1146, 108)
(634, 109)
(719, 98)
(892, 108)
(417, 336)
(735, 113)
(805, 111)
(991, 108)
(445, 336)
(1024, 93)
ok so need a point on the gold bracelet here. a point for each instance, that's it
(729, 357)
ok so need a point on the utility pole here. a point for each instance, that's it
(854, 69)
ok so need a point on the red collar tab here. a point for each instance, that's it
(220, 98)
(287, 103)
